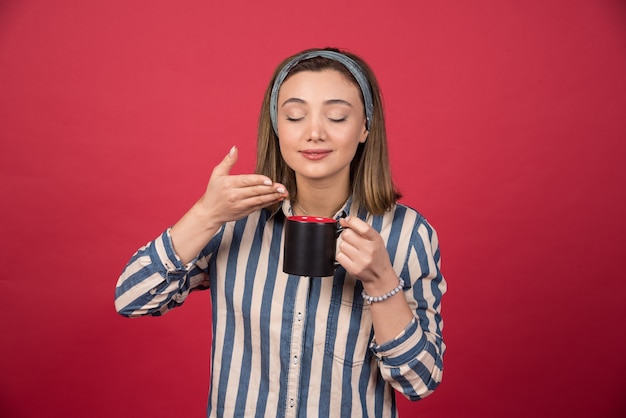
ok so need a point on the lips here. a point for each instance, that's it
(315, 154)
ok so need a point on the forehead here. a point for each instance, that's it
(326, 82)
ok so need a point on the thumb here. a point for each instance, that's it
(224, 167)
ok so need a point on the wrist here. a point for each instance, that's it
(203, 217)
(372, 294)
(381, 283)
(192, 232)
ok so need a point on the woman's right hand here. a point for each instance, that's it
(231, 197)
(227, 198)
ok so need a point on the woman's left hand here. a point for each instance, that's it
(363, 254)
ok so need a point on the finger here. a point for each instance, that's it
(257, 181)
(224, 167)
(244, 180)
(357, 225)
(263, 194)
(255, 203)
(246, 188)
(350, 250)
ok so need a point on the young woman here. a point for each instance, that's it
(285, 345)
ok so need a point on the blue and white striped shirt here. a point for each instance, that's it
(294, 346)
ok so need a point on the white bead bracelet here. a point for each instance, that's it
(370, 299)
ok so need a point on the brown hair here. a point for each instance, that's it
(370, 171)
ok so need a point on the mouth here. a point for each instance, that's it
(315, 154)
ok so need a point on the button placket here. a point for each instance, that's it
(297, 339)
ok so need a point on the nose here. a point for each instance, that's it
(316, 130)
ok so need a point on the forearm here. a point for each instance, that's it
(389, 316)
(192, 232)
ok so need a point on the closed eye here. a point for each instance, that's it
(338, 119)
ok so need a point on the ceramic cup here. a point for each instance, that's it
(310, 246)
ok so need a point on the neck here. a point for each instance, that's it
(325, 207)
(320, 198)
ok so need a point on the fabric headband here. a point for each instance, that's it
(349, 63)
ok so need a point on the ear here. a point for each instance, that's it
(364, 135)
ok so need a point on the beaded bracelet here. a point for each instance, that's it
(370, 299)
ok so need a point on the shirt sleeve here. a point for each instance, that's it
(413, 361)
(155, 280)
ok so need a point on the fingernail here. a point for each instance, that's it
(232, 150)
(267, 182)
(280, 190)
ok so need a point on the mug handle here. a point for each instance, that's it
(337, 233)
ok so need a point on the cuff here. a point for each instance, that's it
(404, 347)
(165, 255)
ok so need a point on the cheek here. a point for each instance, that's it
(353, 137)
(285, 141)
(288, 134)
(287, 151)
(352, 132)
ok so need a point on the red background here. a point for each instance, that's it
(507, 126)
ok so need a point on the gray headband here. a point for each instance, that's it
(349, 63)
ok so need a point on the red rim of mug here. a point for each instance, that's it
(311, 219)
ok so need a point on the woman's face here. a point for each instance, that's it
(321, 122)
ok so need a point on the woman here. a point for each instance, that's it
(285, 345)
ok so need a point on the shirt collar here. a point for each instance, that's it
(285, 209)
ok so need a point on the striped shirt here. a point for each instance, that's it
(292, 346)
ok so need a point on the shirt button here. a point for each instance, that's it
(291, 403)
(295, 359)
(299, 316)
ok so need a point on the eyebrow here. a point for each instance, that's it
(327, 102)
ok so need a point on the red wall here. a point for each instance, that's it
(507, 123)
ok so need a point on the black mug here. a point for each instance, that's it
(310, 246)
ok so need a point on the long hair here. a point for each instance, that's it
(370, 172)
